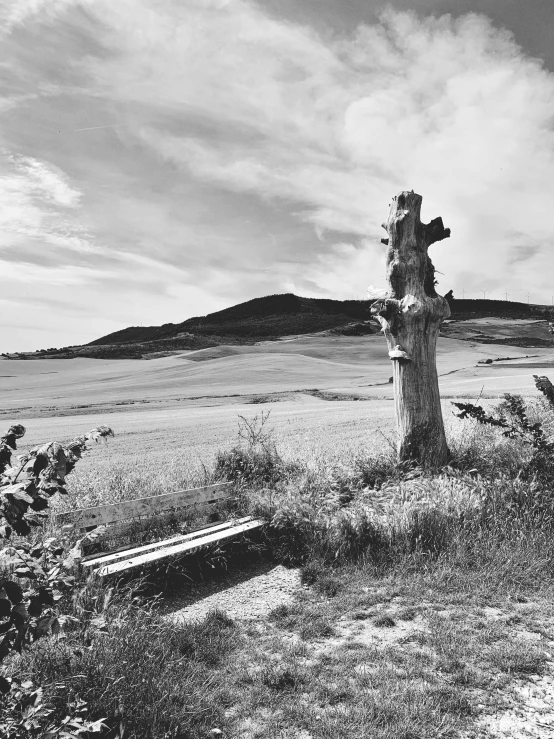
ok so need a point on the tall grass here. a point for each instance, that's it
(374, 510)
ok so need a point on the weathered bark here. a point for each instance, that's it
(410, 318)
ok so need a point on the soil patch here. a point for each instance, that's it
(244, 596)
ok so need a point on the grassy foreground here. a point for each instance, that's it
(427, 598)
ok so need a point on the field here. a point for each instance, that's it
(426, 601)
(189, 402)
(176, 412)
(173, 414)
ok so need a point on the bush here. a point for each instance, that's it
(513, 418)
(249, 466)
(255, 459)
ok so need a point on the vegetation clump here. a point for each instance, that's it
(255, 458)
(41, 580)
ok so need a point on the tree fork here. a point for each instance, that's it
(410, 317)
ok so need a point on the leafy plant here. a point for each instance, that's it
(26, 488)
(27, 611)
(28, 614)
(25, 715)
(546, 387)
(512, 416)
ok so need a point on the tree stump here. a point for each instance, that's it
(410, 317)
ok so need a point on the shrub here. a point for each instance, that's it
(28, 610)
(249, 466)
(255, 459)
(512, 417)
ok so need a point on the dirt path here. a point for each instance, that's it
(247, 595)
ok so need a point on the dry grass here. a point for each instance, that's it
(391, 636)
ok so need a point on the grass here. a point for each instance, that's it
(151, 677)
(392, 634)
(349, 685)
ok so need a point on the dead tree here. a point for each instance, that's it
(410, 318)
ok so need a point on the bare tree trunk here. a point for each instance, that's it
(410, 318)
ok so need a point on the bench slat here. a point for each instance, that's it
(108, 557)
(129, 509)
(178, 548)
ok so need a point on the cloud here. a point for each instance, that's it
(251, 155)
(62, 276)
(451, 108)
(16, 12)
(37, 199)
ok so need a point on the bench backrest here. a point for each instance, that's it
(127, 510)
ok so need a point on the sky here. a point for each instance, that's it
(163, 159)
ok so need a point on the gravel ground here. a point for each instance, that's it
(530, 711)
(245, 596)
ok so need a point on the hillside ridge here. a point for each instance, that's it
(274, 317)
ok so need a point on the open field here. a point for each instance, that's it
(408, 606)
(191, 401)
(228, 375)
(173, 414)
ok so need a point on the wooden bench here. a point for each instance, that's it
(115, 515)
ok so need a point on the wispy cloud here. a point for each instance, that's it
(16, 12)
(36, 198)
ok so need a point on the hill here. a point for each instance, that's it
(276, 316)
(463, 309)
(271, 317)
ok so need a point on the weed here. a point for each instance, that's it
(282, 678)
(329, 585)
(248, 466)
(517, 657)
(312, 571)
(209, 640)
(362, 615)
(317, 574)
(316, 627)
(255, 459)
(280, 612)
(374, 471)
(429, 530)
(309, 623)
(407, 614)
(384, 621)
